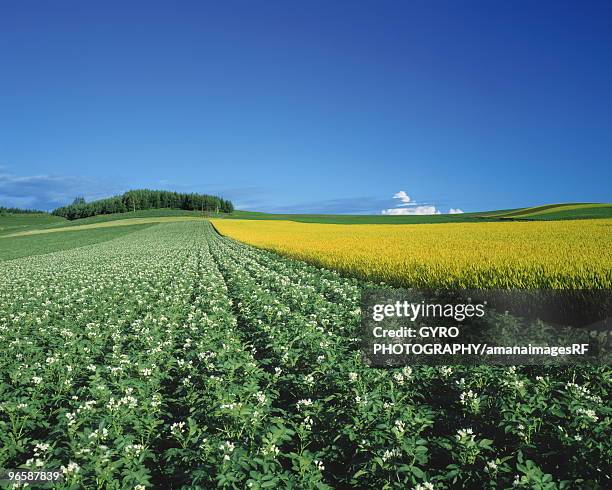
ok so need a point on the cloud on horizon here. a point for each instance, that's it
(407, 206)
(413, 210)
(47, 192)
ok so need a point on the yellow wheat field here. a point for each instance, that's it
(552, 254)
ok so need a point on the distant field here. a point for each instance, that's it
(453, 255)
(78, 225)
(548, 212)
(37, 244)
(13, 223)
(145, 213)
(349, 219)
(22, 224)
(558, 212)
(17, 222)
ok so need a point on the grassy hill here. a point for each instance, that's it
(23, 235)
(145, 213)
(21, 223)
(38, 244)
(11, 223)
(557, 212)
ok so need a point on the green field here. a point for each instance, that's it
(123, 223)
(37, 244)
(11, 223)
(557, 212)
(15, 223)
(548, 212)
(355, 219)
(145, 213)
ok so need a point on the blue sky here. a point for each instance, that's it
(308, 106)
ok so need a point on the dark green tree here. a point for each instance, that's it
(145, 199)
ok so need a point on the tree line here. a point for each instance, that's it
(144, 199)
(5, 210)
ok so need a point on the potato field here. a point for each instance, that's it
(173, 357)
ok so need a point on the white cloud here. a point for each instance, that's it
(414, 210)
(407, 206)
(403, 197)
